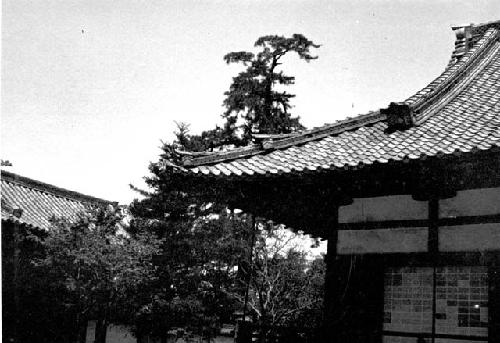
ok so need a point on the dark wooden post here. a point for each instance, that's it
(354, 293)
(330, 227)
(16, 264)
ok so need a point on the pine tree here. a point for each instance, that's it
(253, 96)
(253, 103)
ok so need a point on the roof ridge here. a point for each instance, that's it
(54, 190)
(467, 76)
(488, 23)
(453, 74)
(337, 127)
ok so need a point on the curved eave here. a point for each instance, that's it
(300, 173)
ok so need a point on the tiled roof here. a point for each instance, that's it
(33, 203)
(458, 112)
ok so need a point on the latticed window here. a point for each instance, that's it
(436, 304)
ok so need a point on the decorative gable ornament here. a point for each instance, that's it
(399, 116)
(463, 41)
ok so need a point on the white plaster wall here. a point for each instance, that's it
(382, 241)
(394, 207)
(474, 202)
(90, 331)
(474, 237)
(114, 334)
(119, 334)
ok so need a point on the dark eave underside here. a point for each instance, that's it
(306, 201)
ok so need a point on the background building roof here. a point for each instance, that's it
(34, 203)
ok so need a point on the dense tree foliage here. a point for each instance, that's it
(90, 269)
(213, 270)
(30, 312)
(202, 250)
(104, 274)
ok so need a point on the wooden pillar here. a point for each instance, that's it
(9, 309)
(354, 294)
(354, 299)
(331, 280)
(16, 264)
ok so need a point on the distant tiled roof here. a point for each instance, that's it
(458, 112)
(33, 203)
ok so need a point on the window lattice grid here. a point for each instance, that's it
(461, 302)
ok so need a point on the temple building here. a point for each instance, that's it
(408, 198)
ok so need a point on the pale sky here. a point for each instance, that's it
(90, 87)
